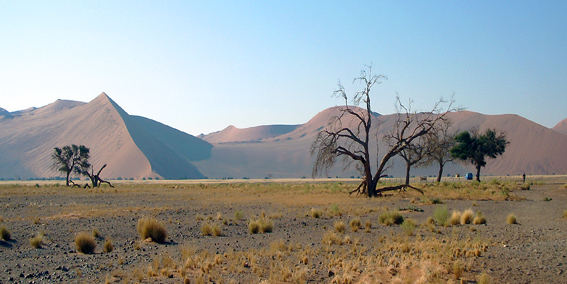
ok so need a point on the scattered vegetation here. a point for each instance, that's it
(261, 225)
(108, 246)
(389, 218)
(37, 240)
(355, 224)
(479, 219)
(316, 213)
(5, 234)
(85, 243)
(238, 215)
(511, 219)
(149, 227)
(340, 227)
(441, 214)
(467, 217)
(409, 226)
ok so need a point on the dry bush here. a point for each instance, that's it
(458, 269)
(96, 233)
(409, 226)
(565, 214)
(335, 210)
(389, 218)
(266, 225)
(511, 219)
(85, 243)
(238, 215)
(355, 224)
(108, 246)
(217, 230)
(253, 227)
(316, 213)
(330, 238)
(340, 227)
(5, 234)
(149, 227)
(479, 219)
(483, 278)
(37, 241)
(467, 217)
(455, 218)
(206, 229)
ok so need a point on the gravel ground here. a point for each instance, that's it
(532, 251)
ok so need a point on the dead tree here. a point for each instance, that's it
(439, 143)
(95, 178)
(351, 144)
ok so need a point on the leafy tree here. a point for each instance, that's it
(337, 140)
(476, 147)
(67, 158)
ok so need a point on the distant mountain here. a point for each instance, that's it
(132, 146)
(533, 149)
(138, 147)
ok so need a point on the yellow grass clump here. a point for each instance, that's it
(149, 227)
(355, 224)
(340, 227)
(85, 243)
(479, 219)
(5, 234)
(389, 218)
(108, 246)
(455, 218)
(511, 219)
(467, 217)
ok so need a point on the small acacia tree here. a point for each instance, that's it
(66, 158)
(352, 144)
(475, 147)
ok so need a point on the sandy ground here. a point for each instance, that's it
(532, 251)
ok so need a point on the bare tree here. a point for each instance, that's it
(439, 143)
(96, 180)
(352, 143)
(414, 155)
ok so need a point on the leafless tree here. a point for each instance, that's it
(439, 143)
(351, 144)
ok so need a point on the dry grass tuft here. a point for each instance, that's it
(467, 217)
(96, 233)
(409, 226)
(316, 213)
(206, 229)
(565, 214)
(330, 238)
(217, 230)
(340, 227)
(355, 224)
(85, 243)
(254, 227)
(389, 218)
(261, 225)
(5, 234)
(238, 215)
(149, 227)
(108, 246)
(479, 219)
(37, 241)
(455, 218)
(511, 219)
(441, 214)
(483, 278)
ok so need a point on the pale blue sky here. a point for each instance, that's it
(201, 66)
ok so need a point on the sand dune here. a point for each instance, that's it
(561, 127)
(27, 139)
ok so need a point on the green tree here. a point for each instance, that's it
(67, 159)
(475, 147)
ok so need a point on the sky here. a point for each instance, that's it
(200, 66)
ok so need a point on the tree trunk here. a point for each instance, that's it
(440, 173)
(408, 167)
(478, 173)
(370, 186)
(68, 174)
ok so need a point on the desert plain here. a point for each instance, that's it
(311, 231)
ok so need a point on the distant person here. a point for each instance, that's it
(524, 177)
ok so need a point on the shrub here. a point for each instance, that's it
(455, 218)
(467, 217)
(479, 219)
(316, 213)
(511, 219)
(217, 231)
(108, 246)
(441, 214)
(565, 214)
(254, 227)
(409, 226)
(5, 234)
(96, 233)
(149, 227)
(206, 229)
(266, 225)
(335, 210)
(355, 224)
(483, 278)
(37, 241)
(238, 215)
(340, 227)
(390, 218)
(85, 243)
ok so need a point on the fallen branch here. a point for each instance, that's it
(397, 187)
